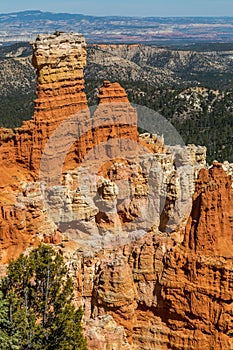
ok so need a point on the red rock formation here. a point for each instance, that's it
(59, 61)
(111, 298)
(168, 295)
(196, 294)
(14, 239)
(161, 293)
(210, 226)
(112, 93)
(114, 117)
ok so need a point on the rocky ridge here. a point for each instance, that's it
(152, 267)
(192, 89)
(155, 65)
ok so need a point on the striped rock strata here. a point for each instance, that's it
(163, 285)
(59, 61)
(170, 295)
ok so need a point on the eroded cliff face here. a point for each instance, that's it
(165, 294)
(59, 61)
(146, 228)
(210, 226)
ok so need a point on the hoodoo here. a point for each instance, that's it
(59, 60)
(148, 240)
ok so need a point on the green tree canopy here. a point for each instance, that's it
(37, 311)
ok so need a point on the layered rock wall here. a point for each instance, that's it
(60, 110)
(212, 214)
(152, 268)
(168, 295)
(59, 61)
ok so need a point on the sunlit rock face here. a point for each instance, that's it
(145, 228)
(167, 294)
(59, 61)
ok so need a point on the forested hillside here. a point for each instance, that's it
(192, 89)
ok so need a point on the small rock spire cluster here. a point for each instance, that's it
(59, 60)
(163, 290)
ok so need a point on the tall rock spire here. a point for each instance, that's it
(59, 60)
(209, 229)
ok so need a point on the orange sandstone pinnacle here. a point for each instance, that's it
(112, 93)
(156, 292)
(210, 226)
(59, 60)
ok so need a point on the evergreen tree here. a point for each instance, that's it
(7, 339)
(38, 298)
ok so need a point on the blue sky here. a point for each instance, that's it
(125, 7)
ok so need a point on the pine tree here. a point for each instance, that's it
(38, 296)
(8, 340)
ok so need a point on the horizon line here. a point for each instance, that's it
(122, 16)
